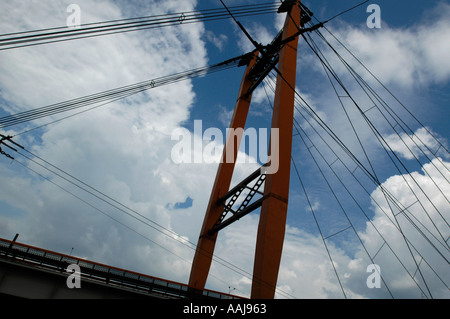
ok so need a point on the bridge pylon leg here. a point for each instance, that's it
(272, 223)
(206, 243)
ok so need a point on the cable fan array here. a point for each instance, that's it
(342, 186)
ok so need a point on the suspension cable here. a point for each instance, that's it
(383, 142)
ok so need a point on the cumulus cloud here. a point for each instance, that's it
(422, 143)
(121, 149)
(260, 33)
(422, 220)
(407, 57)
(218, 41)
(306, 270)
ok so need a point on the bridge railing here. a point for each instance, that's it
(114, 276)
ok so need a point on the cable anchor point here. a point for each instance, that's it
(3, 139)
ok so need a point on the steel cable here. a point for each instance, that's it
(59, 34)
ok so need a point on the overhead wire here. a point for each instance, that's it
(399, 118)
(346, 11)
(374, 174)
(311, 207)
(437, 140)
(113, 94)
(65, 106)
(378, 134)
(124, 209)
(301, 131)
(298, 126)
(383, 141)
(396, 118)
(388, 195)
(334, 74)
(59, 34)
(130, 212)
(146, 221)
(418, 200)
(379, 185)
(418, 268)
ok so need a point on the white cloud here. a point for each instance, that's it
(428, 215)
(218, 41)
(401, 59)
(422, 142)
(121, 149)
(407, 57)
(225, 116)
(306, 270)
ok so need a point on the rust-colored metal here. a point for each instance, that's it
(206, 243)
(272, 223)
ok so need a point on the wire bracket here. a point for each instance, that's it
(3, 140)
(269, 54)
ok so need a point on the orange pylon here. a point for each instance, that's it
(271, 229)
(206, 243)
(272, 222)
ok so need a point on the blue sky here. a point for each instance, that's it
(124, 149)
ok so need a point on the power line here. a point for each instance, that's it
(388, 196)
(379, 136)
(299, 127)
(441, 145)
(345, 11)
(60, 34)
(115, 94)
(126, 210)
(125, 94)
(301, 131)
(113, 218)
(377, 133)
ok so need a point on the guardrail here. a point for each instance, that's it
(117, 277)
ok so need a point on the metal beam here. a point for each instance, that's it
(206, 243)
(234, 194)
(272, 223)
(256, 204)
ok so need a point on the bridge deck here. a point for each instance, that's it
(32, 272)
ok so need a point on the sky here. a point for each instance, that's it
(124, 149)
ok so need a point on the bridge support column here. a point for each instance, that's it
(271, 229)
(206, 243)
(272, 223)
